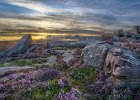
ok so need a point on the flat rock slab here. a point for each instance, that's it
(51, 59)
(67, 57)
(4, 70)
(67, 54)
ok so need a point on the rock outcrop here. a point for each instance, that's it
(122, 64)
(21, 47)
(95, 54)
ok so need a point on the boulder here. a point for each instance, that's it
(32, 48)
(21, 46)
(95, 54)
(67, 57)
(124, 65)
(51, 60)
(121, 64)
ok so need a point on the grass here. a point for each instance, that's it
(46, 93)
(84, 73)
(36, 94)
(51, 64)
(77, 84)
(38, 65)
(6, 64)
(25, 62)
(81, 76)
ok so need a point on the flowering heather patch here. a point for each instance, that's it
(2, 88)
(46, 90)
(76, 61)
(74, 94)
(73, 82)
(78, 51)
(102, 87)
(61, 64)
(15, 82)
(62, 82)
(21, 82)
(49, 74)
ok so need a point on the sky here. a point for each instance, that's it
(88, 16)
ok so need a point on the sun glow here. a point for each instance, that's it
(43, 36)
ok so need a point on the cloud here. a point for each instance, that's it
(68, 15)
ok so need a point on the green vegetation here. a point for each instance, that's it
(60, 48)
(2, 64)
(48, 92)
(38, 65)
(84, 73)
(81, 76)
(52, 64)
(25, 62)
(35, 93)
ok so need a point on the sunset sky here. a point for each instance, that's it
(47, 16)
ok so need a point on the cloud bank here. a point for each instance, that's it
(67, 15)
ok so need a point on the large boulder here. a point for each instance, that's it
(124, 65)
(95, 54)
(121, 64)
(21, 46)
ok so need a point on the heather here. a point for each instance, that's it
(69, 49)
(100, 70)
